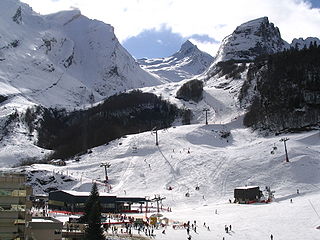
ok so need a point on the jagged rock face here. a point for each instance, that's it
(184, 64)
(250, 40)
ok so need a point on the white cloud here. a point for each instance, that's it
(216, 18)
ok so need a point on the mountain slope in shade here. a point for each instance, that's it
(300, 43)
(186, 63)
(251, 39)
(62, 59)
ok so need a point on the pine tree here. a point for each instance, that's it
(94, 230)
(92, 216)
(93, 197)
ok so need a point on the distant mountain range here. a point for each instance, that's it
(67, 60)
(184, 64)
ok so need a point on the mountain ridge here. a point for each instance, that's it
(188, 62)
(66, 57)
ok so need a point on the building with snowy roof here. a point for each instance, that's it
(247, 194)
(74, 201)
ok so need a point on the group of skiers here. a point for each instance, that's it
(227, 229)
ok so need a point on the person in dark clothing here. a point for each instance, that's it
(271, 237)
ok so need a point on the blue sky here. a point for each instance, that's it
(159, 43)
(315, 3)
(163, 42)
(157, 28)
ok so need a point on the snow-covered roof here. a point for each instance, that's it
(76, 193)
(247, 187)
(42, 220)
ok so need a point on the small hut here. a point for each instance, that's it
(247, 194)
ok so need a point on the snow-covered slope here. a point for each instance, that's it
(217, 157)
(62, 59)
(197, 155)
(251, 39)
(184, 64)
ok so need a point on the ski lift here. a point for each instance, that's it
(274, 147)
(134, 148)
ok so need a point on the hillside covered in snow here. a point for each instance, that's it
(56, 72)
(188, 62)
(63, 59)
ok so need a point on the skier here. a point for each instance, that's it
(271, 237)
(189, 237)
(298, 191)
(291, 200)
(230, 227)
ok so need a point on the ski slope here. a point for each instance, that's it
(197, 155)
(217, 165)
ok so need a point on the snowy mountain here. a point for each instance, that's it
(251, 39)
(184, 64)
(300, 43)
(60, 59)
(63, 59)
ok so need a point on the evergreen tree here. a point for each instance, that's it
(94, 230)
(93, 197)
(92, 216)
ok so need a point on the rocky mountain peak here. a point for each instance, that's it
(187, 47)
(186, 63)
(63, 58)
(251, 39)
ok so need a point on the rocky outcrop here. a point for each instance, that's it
(191, 90)
(250, 40)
